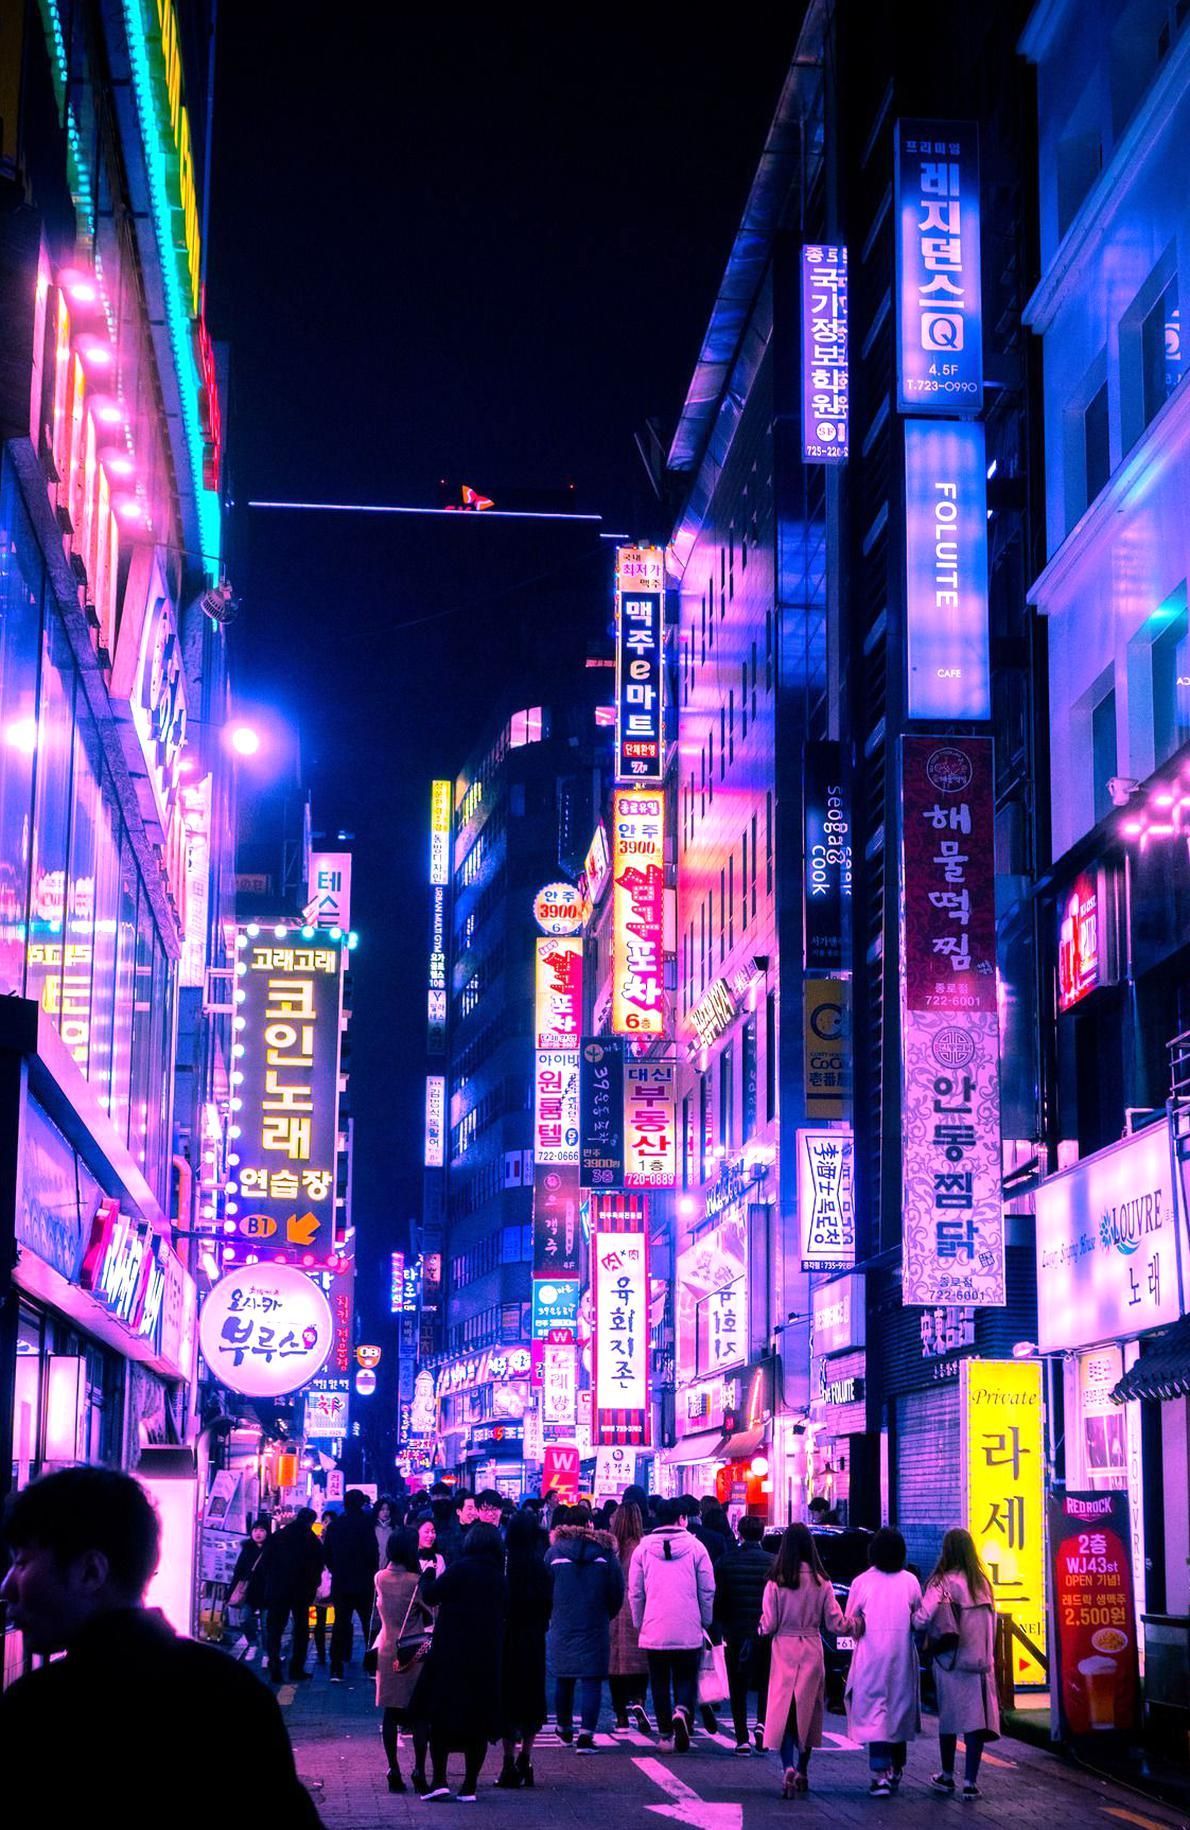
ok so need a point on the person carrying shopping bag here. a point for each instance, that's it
(798, 1604)
(958, 1613)
(883, 1685)
(671, 1591)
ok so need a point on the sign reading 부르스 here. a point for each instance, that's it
(265, 1330)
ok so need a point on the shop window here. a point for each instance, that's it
(78, 940)
(105, 927)
(727, 1099)
(20, 629)
(125, 986)
(770, 1056)
(1096, 444)
(1171, 682)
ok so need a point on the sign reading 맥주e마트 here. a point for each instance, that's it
(825, 385)
(620, 1364)
(826, 1199)
(946, 571)
(1094, 1680)
(287, 1080)
(638, 913)
(1003, 1457)
(265, 1330)
(640, 664)
(939, 316)
(953, 1228)
(827, 889)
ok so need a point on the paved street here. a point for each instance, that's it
(336, 1738)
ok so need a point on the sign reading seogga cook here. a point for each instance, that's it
(265, 1330)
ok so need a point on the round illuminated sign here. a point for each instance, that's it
(365, 1383)
(368, 1356)
(559, 908)
(265, 1330)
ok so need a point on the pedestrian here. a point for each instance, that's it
(240, 1600)
(958, 1599)
(385, 1521)
(740, 1579)
(402, 1613)
(84, 1543)
(821, 1511)
(322, 1594)
(799, 1603)
(635, 1495)
(458, 1697)
(628, 1666)
(446, 1522)
(428, 1554)
(489, 1507)
(588, 1589)
(286, 1580)
(352, 1559)
(671, 1590)
(530, 1601)
(716, 1532)
(883, 1685)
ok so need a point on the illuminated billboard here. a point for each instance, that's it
(638, 913)
(628, 1120)
(434, 1156)
(1003, 1456)
(826, 1199)
(328, 890)
(559, 992)
(825, 389)
(946, 571)
(441, 799)
(939, 315)
(620, 1362)
(640, 664)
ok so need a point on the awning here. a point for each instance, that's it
(741, 1445)
(1163, 1370)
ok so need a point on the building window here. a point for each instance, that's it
(768, 843)
(770, 1056)
(731, 901)
(731, 725)
(743, 700)
(704, 1125)
(1171, 684)
(1096, 446)
(744, 878)
(1104, 759)
(754, 867)
(753, 675)
(748, 1078)
(1161, 351)
(722, 916)
(727, 1098)
(722, 743)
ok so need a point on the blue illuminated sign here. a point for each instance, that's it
(555, 1305)
(940, 366)
(946, 570)
(825, 388)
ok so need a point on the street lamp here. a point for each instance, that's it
(244, 739)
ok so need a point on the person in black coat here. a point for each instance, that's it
(240, 1598)
(286, 1579)
(530, 1599)
(353, 1559)
(740, 1577)
(588, 1593)
(459, 1691)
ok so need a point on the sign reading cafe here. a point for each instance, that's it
(940, 366)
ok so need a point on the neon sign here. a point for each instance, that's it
(946, 571)
(940, 366)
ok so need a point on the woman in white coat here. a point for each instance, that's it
(883, 1701)
(958, 1600)
(798, 1603)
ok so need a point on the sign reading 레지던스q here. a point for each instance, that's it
(940, 366)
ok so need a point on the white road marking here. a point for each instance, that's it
(688, 1807)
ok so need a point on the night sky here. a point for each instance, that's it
(466, 247)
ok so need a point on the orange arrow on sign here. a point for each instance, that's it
(301, 1229)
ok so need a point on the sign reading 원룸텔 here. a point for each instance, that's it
(939, 308)
(287, 997)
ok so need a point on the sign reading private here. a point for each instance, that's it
(1004, 1492)
(825, 385)
(946, 571)
(940, 321)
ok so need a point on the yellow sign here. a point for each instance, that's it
(440, 811)
(827, 1035)
(1003, 1419)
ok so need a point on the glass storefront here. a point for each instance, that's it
(77, 931)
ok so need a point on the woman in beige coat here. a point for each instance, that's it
(628, 1669)
(798, 1603)
(401, 1613)
(958, 1599)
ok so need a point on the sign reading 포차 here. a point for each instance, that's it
(825, 386)
(640, 664)
(826, 1199)
(1095, 1679)
(265, 1330)
(638, 913)
(288, 996)
(946, 570)
(939, 315)
(953, 1227)
(1003, 1458)
(559, 992)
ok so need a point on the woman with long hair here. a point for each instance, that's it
(530, 1598)
(959, 1601)
(798, 1604)
(401, 1613)
(883, 1685)
(459, 1693)
(628, 1670)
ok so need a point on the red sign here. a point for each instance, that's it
(950, 874)
(560, 1471)
(1078, 941)
(1094, 1678)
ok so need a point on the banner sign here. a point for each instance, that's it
(328, 890)
(620, 1351)
(434, 1152)
(650, 1127)
(640, 669)
(1107, 1245)
(326, 1414)
(615, 1469)
(1093, 1680)
(559, 1385)
(1003, 1454)
(555, 1220)
(265, 1330)
(939, 307)
(826, 1199)
(560, 1471)
(559, 999)
(555, 1106)
(953, 1229)
(559, 908)
(946, 571)
(436, 989)
(1079, 940)
(827, 890)
(826, 1015)
(440, 820)
(287, 1082)
(825, 389)
(601, 1103)
(555, 1306)
(838, 1315)
(638, 913)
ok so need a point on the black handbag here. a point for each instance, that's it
(943, 1640)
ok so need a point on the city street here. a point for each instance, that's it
(335, 1733)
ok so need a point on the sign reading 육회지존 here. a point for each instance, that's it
(940, 320)
(1003, 1458)
(946, 570)
(620, 1366)
(638, 913)
(826, 1199)
(827, 889)
(640, 668)
(825, 385)
(1095, 1679)
(265, 1330)
(288, 996)
(1107, 1245)
(953, 1227)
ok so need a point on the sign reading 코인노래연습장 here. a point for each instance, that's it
(265, 1330)
(1003, 1454)
(825, 386)
(1094, 1680)
(946, 571)
(939, 301)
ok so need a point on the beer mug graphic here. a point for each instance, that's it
(1099, 1676)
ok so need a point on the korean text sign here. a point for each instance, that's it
(953, 1227)
(1003, 1428)
(265, 1330)
(1094, 1677)
(940, 320)
(826, 1199)
(287, 995)
(638, 913)
(827, 857)
(825, 387)
(640, 669)
(559, 993)
(555, 1220)
(601, 1143)
(620, 1279)
(946, 571)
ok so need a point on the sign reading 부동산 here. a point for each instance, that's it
(825, 383)
(953, 1228)
(946, 571)
(939, 316)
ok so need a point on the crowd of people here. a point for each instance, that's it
(480, 1615)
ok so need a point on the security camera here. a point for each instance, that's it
(1121, 788)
